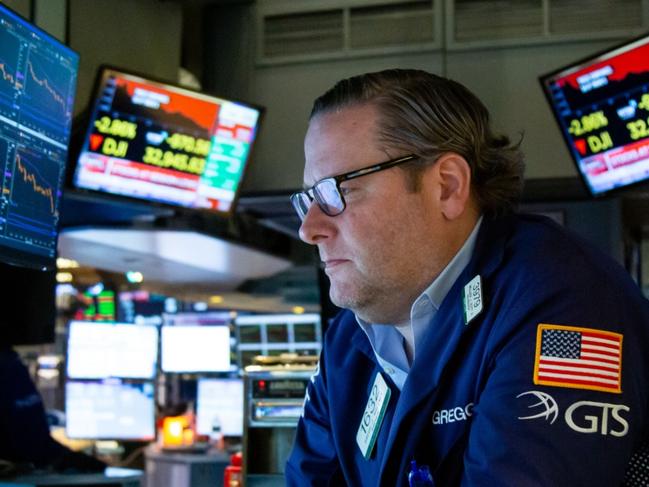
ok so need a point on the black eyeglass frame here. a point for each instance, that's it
(312, 194)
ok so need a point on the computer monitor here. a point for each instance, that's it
(275, 334)
(103, 350)
(38, 76)
(195, 348)
(601, 104)
(110, 410)
(219, 401)
(142, 306)
(155, 141)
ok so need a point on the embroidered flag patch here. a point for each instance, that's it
(579, 358)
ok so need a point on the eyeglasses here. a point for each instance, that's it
(327, 194)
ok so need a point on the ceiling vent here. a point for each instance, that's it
(484, 23)
(354, 28)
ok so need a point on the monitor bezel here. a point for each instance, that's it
(86, 129)
(565, 70)
(20, 258)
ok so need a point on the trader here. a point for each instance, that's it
(24, 433)
(485, 347)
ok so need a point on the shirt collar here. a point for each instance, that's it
(443, 283)
(436, 292)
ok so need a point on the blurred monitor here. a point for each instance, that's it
(38, 76)
(276, 334)
(195, 348)
(143, 307)
(601, 105)
(198, 318)
(110, 410)
(100, 306)
(219, 401)
(158, 142)
(102, 350)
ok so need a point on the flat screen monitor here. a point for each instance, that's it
(275, 334)
(110, 410)
(219, 401)
(159, 142)
(601, 104)
(195, 348)
(103, 350)
(38, 76)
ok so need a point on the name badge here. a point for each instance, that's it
(472, 299)
(373, 416)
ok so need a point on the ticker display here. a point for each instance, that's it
(602, 107)
(160, 142)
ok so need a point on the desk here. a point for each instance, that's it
(265, 480)
(185, 469)
(71, 480)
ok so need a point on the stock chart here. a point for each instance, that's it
(37, 87)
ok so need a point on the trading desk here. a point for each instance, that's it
(86, 479)
(164, 469)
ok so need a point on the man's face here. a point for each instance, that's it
(383, 250)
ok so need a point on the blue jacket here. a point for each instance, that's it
(479, 406)
(24, 432)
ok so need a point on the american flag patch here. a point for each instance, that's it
(580, 358)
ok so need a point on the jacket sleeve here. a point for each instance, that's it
(527, 432)
(313, 460)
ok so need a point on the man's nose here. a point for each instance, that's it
(316, 225)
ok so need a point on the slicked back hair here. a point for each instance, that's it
(428, 115)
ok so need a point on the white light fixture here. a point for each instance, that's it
(134, 277)
(64, 277)
(96, 289)
(200, 306)
(63, 263)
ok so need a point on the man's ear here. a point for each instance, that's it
(454, 179)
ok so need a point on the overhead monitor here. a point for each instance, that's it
(195, 348)
(158, 142)
(110, 410)
(601, 104)
(219, 402)
(38, 76)
(103, 350)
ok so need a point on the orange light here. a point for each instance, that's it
(176, 431)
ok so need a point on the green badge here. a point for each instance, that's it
(373, 416)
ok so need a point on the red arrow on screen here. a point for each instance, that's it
(95, 141)
(580, 145)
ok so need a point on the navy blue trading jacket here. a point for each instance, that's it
(547, 386)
